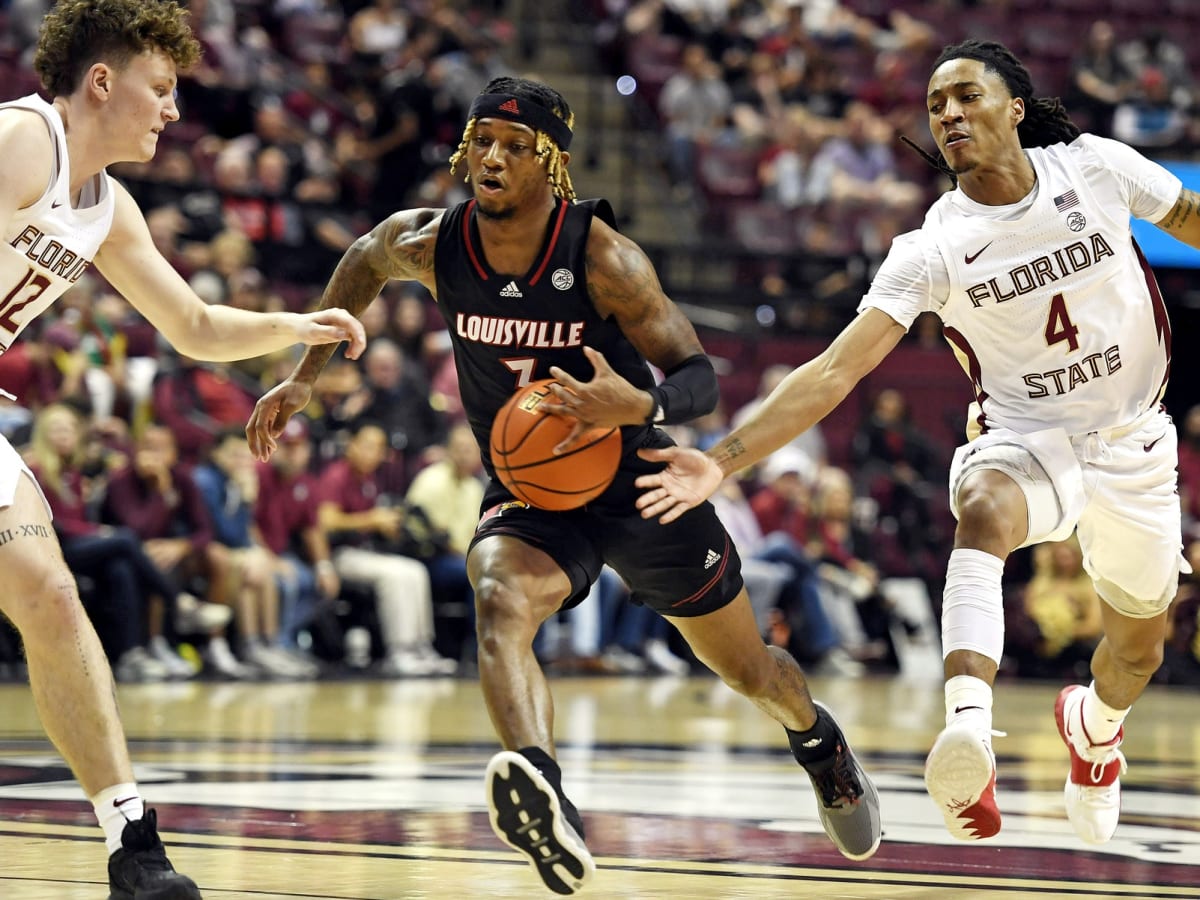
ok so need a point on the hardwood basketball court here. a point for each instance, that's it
(373, 790)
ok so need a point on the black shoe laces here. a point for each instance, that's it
(839, 783)
(141, 837)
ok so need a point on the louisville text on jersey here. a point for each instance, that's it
(504, 332)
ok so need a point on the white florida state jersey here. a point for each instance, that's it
(1049, 305)
(49, 245)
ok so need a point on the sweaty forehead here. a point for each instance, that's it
(962, 71)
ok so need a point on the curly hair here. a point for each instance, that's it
(1046, 121)
(76, 34)
(547, 151)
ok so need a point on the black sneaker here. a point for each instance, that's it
(526, 814)
(140, 870)
(849, 807)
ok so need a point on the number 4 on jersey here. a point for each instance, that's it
(1059, 326)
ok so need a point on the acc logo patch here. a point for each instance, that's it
(563, 279)
(1076, 221)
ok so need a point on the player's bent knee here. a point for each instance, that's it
(49, 614)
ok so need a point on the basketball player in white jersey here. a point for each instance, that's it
(1059, 324)
(111, 68)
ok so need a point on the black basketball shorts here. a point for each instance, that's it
(687, 568)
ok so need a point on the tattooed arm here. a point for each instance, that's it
(400, 247)
(1183, 221)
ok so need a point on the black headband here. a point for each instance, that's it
(525, 111)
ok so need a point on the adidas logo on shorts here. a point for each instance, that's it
(712, 559)
(511, 290)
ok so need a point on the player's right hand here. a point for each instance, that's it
(271, 414)
(689, 479)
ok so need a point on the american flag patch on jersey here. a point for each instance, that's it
(1067, 201)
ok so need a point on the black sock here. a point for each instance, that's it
(815, 745)
(548, 766)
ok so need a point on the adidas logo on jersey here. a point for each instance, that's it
(712, 559)
(511, 290)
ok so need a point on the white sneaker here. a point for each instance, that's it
(274, 663)
(960, 776)
(660, 657)
(621, 660)
(838, 663)
(441, 665)
(177, 666)
(195, 616)
(220, 660)
(1093, 788)
(136, 665)
(407, 662)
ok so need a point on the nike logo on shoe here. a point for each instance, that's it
(968, 259)
(812, 742)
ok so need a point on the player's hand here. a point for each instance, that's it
(607, 401)
(271, 414)
(689, 479)
(330, 326)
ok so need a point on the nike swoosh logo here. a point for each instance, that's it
(970, 259)
(1150, 446)
(959, 709)
(119, 803)
(55, 204)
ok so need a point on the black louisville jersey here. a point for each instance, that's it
(509, 330)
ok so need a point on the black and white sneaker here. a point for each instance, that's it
(848, 803)
(526, 813)
(140, 870)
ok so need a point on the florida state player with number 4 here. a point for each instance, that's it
(1057, 320)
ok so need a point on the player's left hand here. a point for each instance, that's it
(607, 401)
(329, 326)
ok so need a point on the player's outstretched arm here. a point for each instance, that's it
(400, 247)
(1183, 221)
(804, 398)
(134, 266)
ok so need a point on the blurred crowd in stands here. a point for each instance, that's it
(307, 122)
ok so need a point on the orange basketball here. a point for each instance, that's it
(523, 442)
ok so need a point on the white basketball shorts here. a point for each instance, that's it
(1118, 488)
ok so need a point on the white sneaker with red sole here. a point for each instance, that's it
(960, 776)
(1093, 788)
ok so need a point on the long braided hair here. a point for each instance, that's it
(1046, 121)
(548, 152)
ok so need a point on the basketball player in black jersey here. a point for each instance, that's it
(533, 284)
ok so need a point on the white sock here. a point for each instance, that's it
(1100, 721)
(969, 699)
(114, 807)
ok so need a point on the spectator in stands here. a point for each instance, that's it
(1099, 78)
(156, 499)
(228, 484)
(1062, 601)
(1155, 112)
(695, 105)
(449, 494)
(782, 502)
(859, 171)
(784, 588)
(197, 400)
(286, 516)
(893, 463)
(397, 398)
(845, 551)
(124, 576)
(363, 532)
